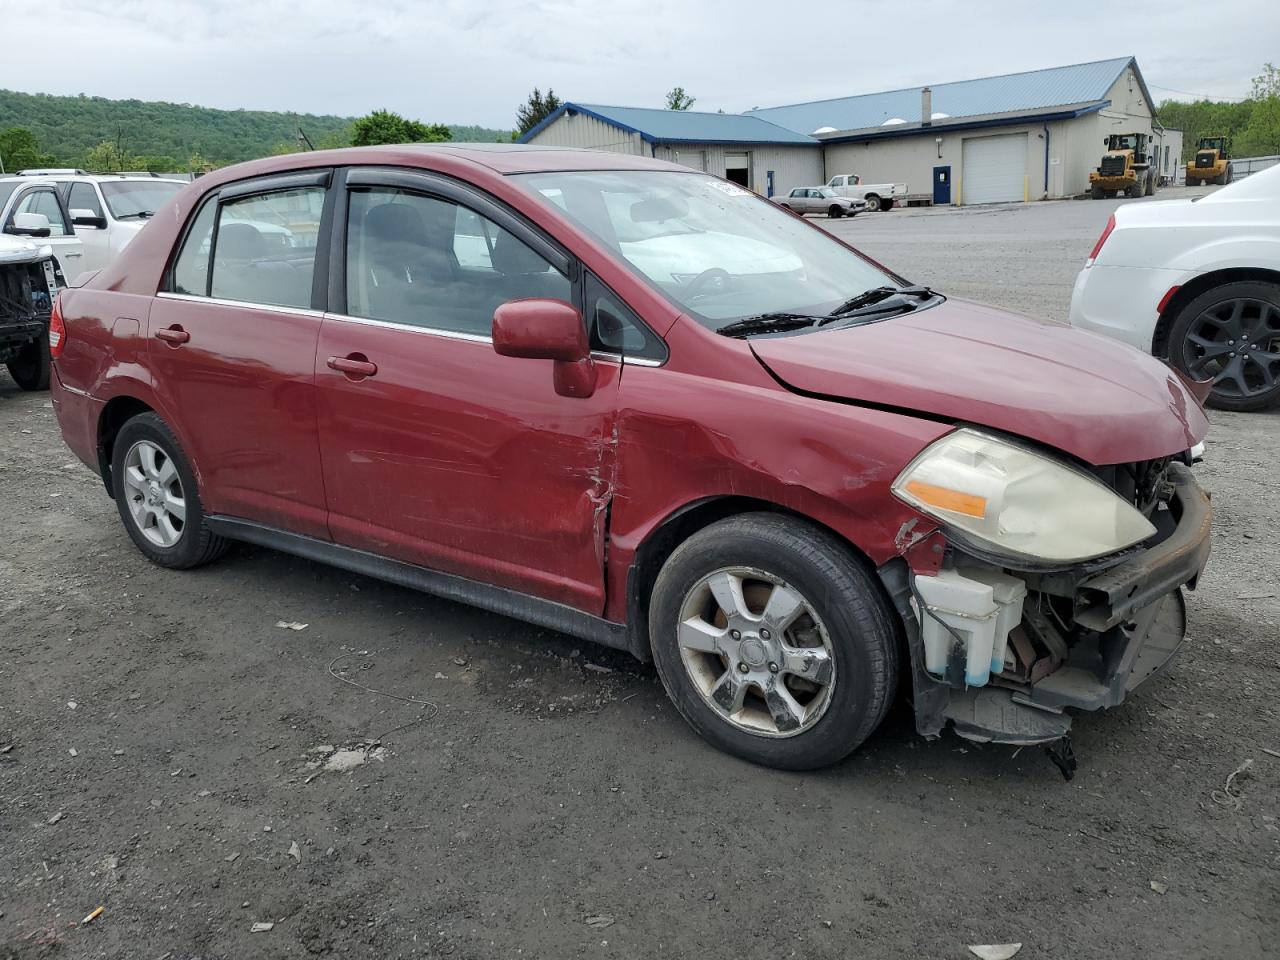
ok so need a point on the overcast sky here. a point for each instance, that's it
(473, 61)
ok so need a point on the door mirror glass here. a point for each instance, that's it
(540, 329)
(87, 218)
(30, 225)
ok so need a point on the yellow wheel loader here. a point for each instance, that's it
(1125, 167)
(1212, 162)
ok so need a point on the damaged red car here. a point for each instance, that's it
(641, 405)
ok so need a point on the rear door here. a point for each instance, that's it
(233, 343)
(441, 452)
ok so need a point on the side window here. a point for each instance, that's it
(797, 192)
(427, 262)
(615, 328)
(84, 197)
(45, 200)
(264, 249)
(191, 269)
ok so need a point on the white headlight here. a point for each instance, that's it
(1017, 502)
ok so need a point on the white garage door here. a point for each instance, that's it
(691, 158)
(995, 169)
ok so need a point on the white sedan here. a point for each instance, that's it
(1196, 282)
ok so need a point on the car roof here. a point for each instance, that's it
(500, 158)
(41, 181)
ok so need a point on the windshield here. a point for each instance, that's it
(715, 249)
(1123, 143)
(127, 199)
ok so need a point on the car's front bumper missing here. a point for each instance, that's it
(1087, 638)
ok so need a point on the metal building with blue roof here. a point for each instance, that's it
(1019, 136)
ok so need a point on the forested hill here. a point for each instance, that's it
(67, 128)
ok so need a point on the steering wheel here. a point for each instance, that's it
(711, 281)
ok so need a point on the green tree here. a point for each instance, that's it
(677, 99)
(383, 126)
(107, 157)
(1261, 136)
(19, 148)
(534, 110)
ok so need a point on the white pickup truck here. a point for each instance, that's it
(879, 196)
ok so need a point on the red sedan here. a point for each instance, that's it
(641, 405)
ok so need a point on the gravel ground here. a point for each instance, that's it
(169, 753)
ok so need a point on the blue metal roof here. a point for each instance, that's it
(681, 126)
(1054, 87)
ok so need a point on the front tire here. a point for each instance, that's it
(30, 368)
(158, 497)
(834, 212)
(774, 642)
(1232, 335)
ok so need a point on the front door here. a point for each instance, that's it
(438, 451)
(233, 349)
(941, 186)
(68, 251)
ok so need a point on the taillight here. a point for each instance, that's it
(57, 329)
(1097, 247)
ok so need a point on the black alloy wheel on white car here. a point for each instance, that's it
(774, 641)
(1231, 334)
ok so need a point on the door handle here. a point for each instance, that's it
(173, 335)
(355, 366)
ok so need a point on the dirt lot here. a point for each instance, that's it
(167, 751)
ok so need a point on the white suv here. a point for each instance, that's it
(108, 211)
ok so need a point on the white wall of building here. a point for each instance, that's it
(580, 130)
(797, 166)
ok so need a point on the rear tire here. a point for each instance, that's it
(873, 202)
(1095, 192)
(158, 499)
(1247, 373)
(726, 687)
(1151, 187)
(1192, 182)
(30, 368)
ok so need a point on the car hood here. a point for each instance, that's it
(19, 250)
(1098, 400)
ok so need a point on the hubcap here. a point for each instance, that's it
(757, 651)
(153, 492)
(1237, 344)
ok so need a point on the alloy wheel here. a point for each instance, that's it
(154, 493)
(757, 651)
(1237, 344)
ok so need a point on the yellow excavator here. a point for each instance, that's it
(1126, 166)
(1212, 162)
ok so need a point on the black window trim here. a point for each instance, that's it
(590, 278)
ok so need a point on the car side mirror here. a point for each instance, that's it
(29, 225)
(539, 329)
(87, 218)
